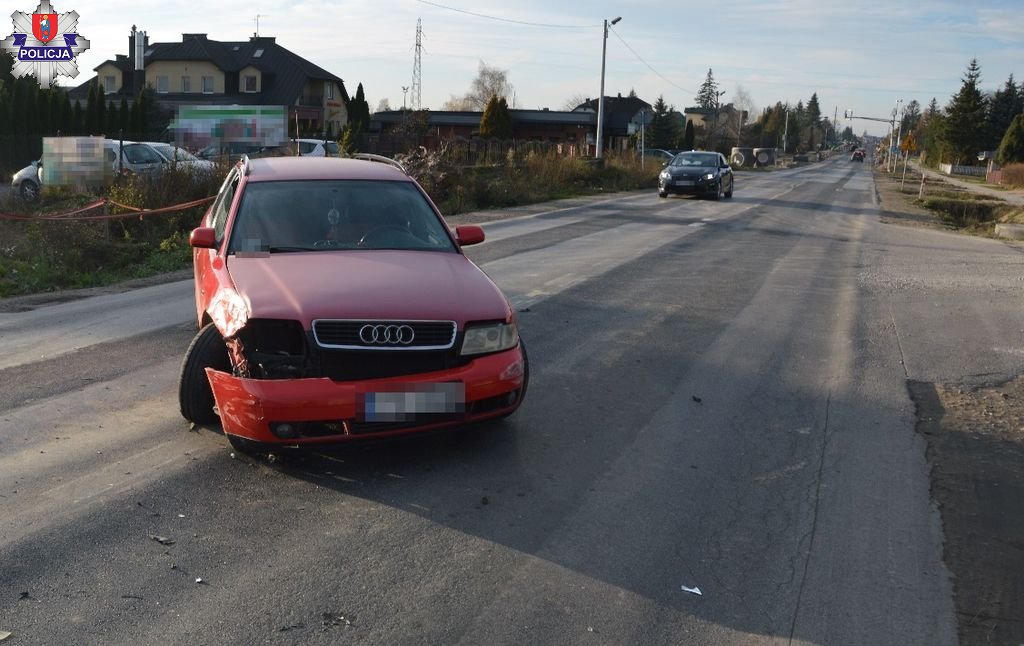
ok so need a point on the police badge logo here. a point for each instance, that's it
(44, 44)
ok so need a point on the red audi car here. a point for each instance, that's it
(334, 303)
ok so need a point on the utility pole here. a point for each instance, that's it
(600, 98)
(785, 134)
(899, 133)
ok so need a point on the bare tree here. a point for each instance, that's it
(490, 81)
(384, 105)
(574, 102)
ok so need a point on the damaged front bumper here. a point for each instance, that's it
(312, 411)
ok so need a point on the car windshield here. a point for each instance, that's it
(695, 159)
(313, 215)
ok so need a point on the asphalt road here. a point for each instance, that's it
(718, 402)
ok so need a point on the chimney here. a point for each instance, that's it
(187, 37)
(131, 47)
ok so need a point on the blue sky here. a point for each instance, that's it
(860, 55)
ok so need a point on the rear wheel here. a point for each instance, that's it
(195, 397)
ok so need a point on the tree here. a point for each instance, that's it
(496, 122)
(813, 120)
(963, 134)
(745, 109)
(911, 116)
(1003, 107)
(489, 81)
(574, 102)
(359, 111)
(384, 105)
(1011, 149)
(689, 136)
(707, 95)
(664, 130)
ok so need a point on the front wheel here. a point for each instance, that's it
(662, 194)
(29, 191)
(728, 193)
(195, 397)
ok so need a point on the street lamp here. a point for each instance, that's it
(405, 89)
(600, 98)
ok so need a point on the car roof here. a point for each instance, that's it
(269, 169)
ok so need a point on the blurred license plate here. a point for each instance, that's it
(414, 400)
(684, 182)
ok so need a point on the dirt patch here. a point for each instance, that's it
(896, 200)
(976, 451)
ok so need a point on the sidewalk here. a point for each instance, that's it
(1012, 197)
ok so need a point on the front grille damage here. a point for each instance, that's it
(274, 349)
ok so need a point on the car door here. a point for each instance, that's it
(143, 160)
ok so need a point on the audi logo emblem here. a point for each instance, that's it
(386, 334)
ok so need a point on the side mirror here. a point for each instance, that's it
(469, 234)
(203, 238)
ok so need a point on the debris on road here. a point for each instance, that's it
(200, 580)
(694, 590)
(697, 399)
(334, 619)
(4, 635)
(162, 539)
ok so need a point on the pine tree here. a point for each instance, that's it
(90, 111)
(125, 122)
(78, 119)
(963, 134)
(707, 95)
(1005, 105)
(1011, 149)
(689, 136)
(496, 121)
(813, 117)
(664, 130)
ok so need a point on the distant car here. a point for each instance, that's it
(181, 158)
(316, 148)
(857, 156)
(27, 183)
(658, 155)
(697, 173)
(230, 152)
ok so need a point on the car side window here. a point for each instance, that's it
(222, 205)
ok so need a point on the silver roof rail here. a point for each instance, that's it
(379, 158)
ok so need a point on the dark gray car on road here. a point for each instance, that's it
(697, 173)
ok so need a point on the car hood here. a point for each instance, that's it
(691, 171)
(383, 285)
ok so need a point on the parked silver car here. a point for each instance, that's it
(27, 183)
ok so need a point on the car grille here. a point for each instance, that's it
(343, 334)
(356, 365)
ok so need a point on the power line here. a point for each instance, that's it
(640, 58)
(517, 22)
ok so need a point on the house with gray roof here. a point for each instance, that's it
(202, 71)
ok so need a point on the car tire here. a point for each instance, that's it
(662, 194)
(29, 191)
(732, 185)
(195, 397)
(718, 192)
